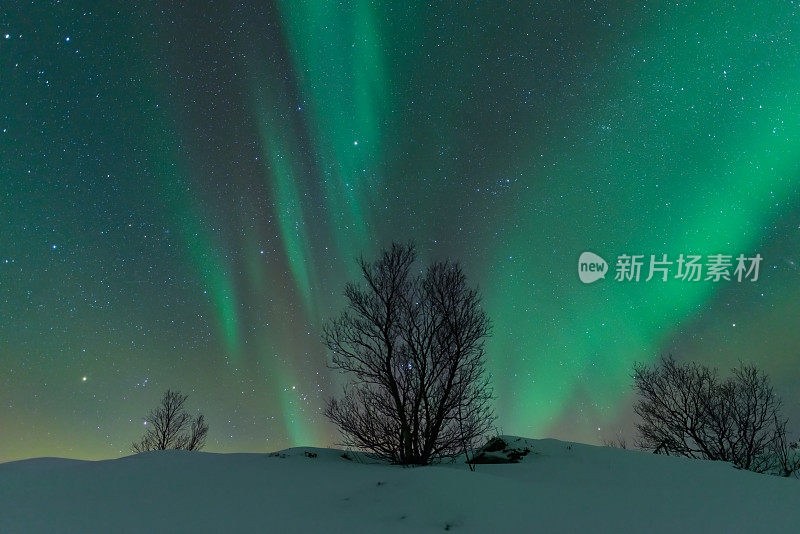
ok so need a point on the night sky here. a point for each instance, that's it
(184, 189)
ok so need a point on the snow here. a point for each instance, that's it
(558, 487)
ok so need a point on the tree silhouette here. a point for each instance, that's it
(686, 409)
(413, 345)
(169, 426)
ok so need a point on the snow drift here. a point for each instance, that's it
(557, 487)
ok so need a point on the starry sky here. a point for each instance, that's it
(185, 187)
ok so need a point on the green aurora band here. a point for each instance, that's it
(288, 142)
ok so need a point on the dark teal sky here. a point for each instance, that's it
(184, 190)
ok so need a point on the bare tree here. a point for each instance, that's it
(756, 421)
(687, 410)
(673, 406)
(618, 442)
(787, 456)
(414, 345)
(170, 426)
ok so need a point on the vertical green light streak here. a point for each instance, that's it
(283, 183)
(282, 176)
(340, 67)
(205, 254)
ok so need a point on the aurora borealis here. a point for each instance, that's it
(184, 189)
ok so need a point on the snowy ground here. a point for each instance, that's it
(559, 487)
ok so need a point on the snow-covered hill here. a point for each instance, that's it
(558, 487)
